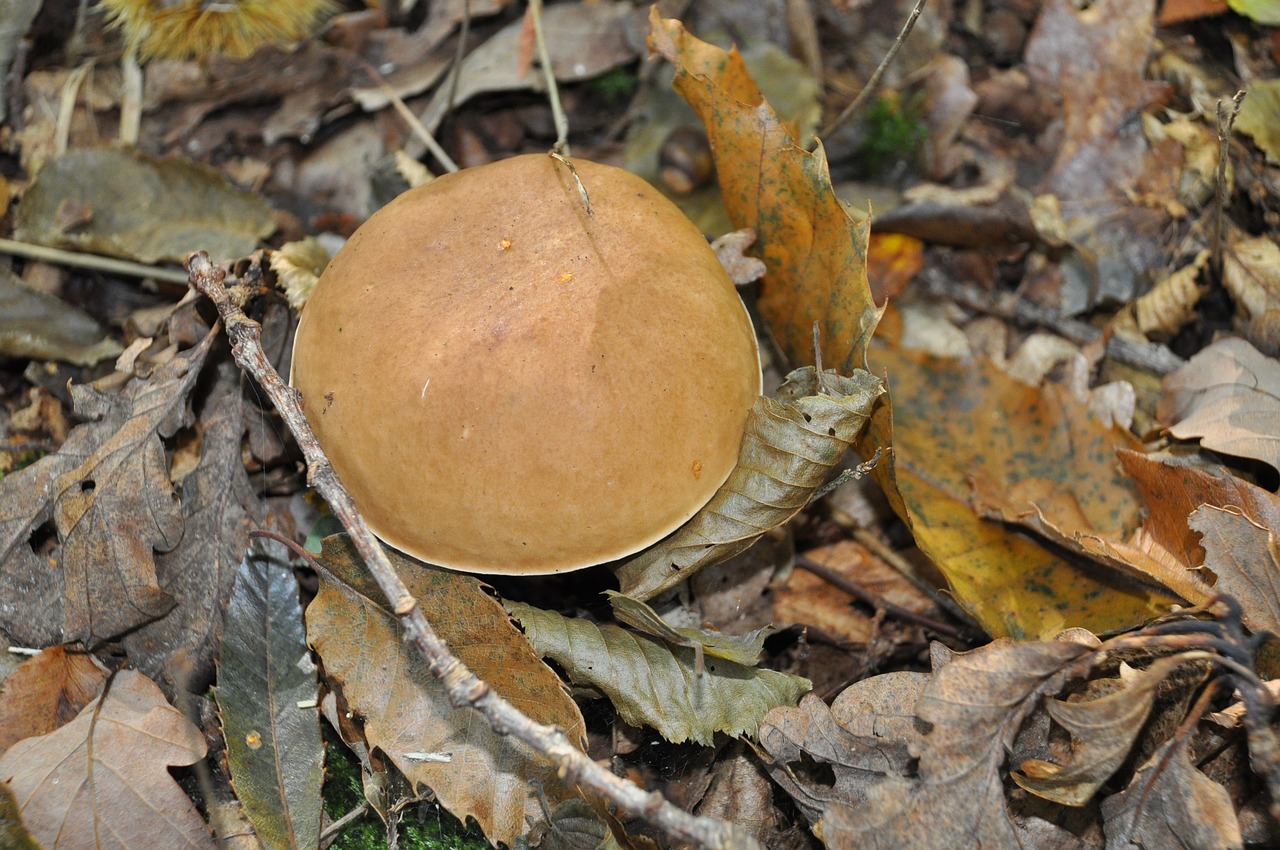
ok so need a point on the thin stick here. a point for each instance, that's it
(89, 261)
(859, 592)
(872, 83)
(1225, 122)
(419, 130)
(549, 76)
(463, 686)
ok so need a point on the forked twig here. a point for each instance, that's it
(463, 686)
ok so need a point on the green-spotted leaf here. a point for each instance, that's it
(790, 445)
(265, 676)
(653, 684)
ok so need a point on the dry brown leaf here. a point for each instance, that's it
(406, 710)
(107, 495)
(1104, 731)
(101, 780)
(1095, 59)
(1163, 311)
(1228, 396)
(1171, 804)
(1244, 556)
(1251, 273)
(46, 692)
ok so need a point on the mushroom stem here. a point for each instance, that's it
(463, 686)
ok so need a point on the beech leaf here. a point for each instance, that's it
(274, 750)
(790, 445)
(109, 497)
(743, 649)
(653, 684)
(101, 780)
(473, 771)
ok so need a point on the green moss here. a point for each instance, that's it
(614, 86)
(425, 826)
(894, 133)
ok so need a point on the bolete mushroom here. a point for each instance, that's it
(509, 383)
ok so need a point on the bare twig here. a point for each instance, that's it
(874, 81)
(89, 261)
(549, 76)
(1225, 122)
(416, 127)
(879, 603)
(463, 686)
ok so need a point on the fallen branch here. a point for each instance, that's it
(463, 686)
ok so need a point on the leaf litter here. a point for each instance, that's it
(1045, 520)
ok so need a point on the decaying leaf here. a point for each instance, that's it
(100, 781)
(954, 420)
(13, 835)
(37, 325)
(1169, 305)
(1261, 109)
(107, 500)
(129, 204)
(265, 674)
(1104, 731)
(653, 684)
(815, 253)
(1171, 804)
(790, 445)
(220, 508)
(46, 692)
(1251, 273)
(474, 771)
(1228, 396)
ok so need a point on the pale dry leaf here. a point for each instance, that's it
(102, 781)
(1251, 273)
(1228, 396)
(744, 649)
(654, 684)
(790, 445)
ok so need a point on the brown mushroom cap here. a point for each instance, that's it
(508, 385)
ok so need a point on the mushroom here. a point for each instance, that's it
(513, 373)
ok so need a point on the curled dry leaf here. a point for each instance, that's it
(814, 252)
(406, 711)
(101, 780)
(742, 649)
(790, 445)
(1104, 731)
(651, 683)
(1228, 395)
(109, 497)
(46, 692)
